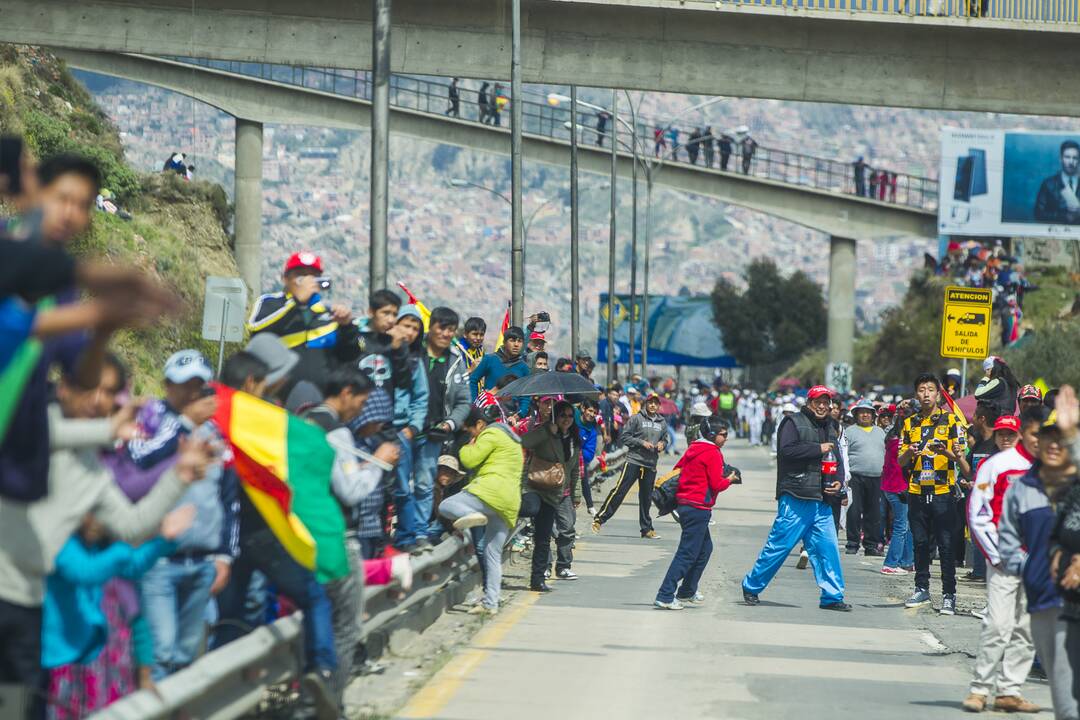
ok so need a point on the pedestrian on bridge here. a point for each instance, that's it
(701, 479)
(725, 145)
(707, 146)
(693, 145)
(859, 170)
(601, 126)
(483, 104)
(749, 147)
(805, 477)
(454, 96)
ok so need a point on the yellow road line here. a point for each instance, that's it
(438, 691)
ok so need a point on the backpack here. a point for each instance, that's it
(663, 494)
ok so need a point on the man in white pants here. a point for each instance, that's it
(1006, 650)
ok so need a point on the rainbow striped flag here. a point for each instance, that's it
(284, 465)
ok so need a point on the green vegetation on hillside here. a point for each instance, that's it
(178, 228)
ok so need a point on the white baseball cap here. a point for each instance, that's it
(187, 365)
(700, 409)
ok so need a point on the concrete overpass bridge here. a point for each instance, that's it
(811, 191)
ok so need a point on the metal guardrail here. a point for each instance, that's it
(1033, 11)
(546, 120)
(232, 681)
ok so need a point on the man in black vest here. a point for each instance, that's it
(803, 440)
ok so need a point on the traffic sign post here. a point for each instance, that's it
(965, 323)
(224, 305)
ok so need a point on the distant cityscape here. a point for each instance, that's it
(450, 245)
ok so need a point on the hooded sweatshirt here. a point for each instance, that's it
(411, 400)
(640, 429)
(702, 475)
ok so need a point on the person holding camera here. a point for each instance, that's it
(701, 479)
(323, 336)
(932, 444)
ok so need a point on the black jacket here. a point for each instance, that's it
(798, 455)
(308, 329)
(1050, 206)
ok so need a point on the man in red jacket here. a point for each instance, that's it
(701, 479)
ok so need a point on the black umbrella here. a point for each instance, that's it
(550, 383)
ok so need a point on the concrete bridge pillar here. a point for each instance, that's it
(247, 219)
(841, 342)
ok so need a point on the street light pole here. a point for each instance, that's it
(645, 290)
(380, 143)
(575, 289)
(612, 367)
(517, 242)
(633, 230)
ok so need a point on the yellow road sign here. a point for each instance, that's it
(965, 323)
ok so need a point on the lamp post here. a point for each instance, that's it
(612, 366)
(575, 289)
(380, 142)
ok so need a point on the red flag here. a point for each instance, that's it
(953, 407)
(503, 327)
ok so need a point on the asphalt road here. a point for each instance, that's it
(596, 647)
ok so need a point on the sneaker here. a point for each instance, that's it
(317, 686)
(596, 526)
(890, 570)
(909, 568)
(591, 510)
(401, 570)
(851, 551)
(481, 609)
(651, 535)
(567, 574)
(541, 588)
(974, 702)
(473, 519)
(547, 574)
(981, 612)
(918, 598)
(837, 606)
(804, 559)
(698, 599)
(948, 604)
(673, 605)
(518, 544)
(872, 552)
(1015, 703)
(750, 598)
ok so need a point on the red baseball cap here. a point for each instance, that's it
(889, 409)
(1007, 422)
(1030, 392)
(817, 391)
(303, 259)
(537, 336)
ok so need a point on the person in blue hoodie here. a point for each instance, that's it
(506, 360)
(1025, 545)
(410, 416)
(589, 431)
(74, 625)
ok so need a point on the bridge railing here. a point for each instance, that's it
(545, 119)
(1033, 11)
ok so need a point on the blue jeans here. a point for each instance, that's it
(901, 548)
(175, 594)
(691, 557)
(809, 521)
(261, 551)
(425, 467)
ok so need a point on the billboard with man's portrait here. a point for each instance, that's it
(1009, 183)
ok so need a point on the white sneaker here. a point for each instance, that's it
(567, 574)
(473, 519)
(481, 609)
(591, 510)
(804, 559)
(698, 599)
(981, 612)
(673, 605)
(401, 570)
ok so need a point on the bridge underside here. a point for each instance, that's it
(667, 45)
(278, 103)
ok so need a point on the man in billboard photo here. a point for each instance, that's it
(1058, 201)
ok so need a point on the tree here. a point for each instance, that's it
(773, 319)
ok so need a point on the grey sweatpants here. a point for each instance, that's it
(495, 533)
(346, 607)
(565, 517)
(1005, 649)
(1048, 632)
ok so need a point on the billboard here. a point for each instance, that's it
(681, 331)
(1009, 183)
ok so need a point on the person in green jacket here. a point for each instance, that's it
(493, 495)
